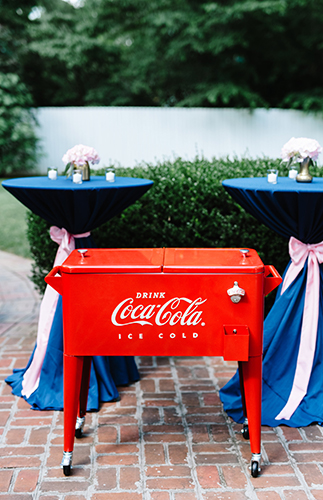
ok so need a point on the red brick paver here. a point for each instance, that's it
(167, 439)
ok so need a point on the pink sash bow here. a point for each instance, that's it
(66, 243)
(299, 252)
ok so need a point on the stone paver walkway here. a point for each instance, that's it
(167, 439)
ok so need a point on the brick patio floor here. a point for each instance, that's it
(167, 439)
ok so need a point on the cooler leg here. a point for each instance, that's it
(252, 381)
(245, 428)
(72, 384)
(83, 396)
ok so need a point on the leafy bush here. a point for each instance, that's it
(186, 207)
(17, 136)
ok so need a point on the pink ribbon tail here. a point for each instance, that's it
(299, 252)
(48, 305)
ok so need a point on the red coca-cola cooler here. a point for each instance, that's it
(162, 302)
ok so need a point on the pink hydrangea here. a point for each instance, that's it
(81, 154)
(300, 148)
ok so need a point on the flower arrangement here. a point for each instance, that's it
(303, 151)
(297, 149)
(81, 155)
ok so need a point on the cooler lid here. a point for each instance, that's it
(212, 260)
(114, 260)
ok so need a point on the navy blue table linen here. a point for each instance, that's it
(78, 208)
(290, 209)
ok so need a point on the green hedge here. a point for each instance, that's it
(186, 207)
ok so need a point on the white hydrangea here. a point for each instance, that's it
(80, 155)
(300, 148)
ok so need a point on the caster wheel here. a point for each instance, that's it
(67, 470)
(66, 463)
(255, 469)
(245, 431)
(78, 433)
(79, 427)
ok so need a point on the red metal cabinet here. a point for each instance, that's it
(165, 302)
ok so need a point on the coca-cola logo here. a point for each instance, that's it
(178, 310)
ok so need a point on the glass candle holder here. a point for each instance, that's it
(52, 173)
(110, 176)
(272, 175)
(77, 176)
(293, 171)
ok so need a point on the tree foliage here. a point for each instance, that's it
(13, 33)
(18, 142)
(17, 124)
(235, 53)
(224, 53)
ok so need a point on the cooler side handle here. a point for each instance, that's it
(55, 281)
(271, 282)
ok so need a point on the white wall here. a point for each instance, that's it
(128, 135)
